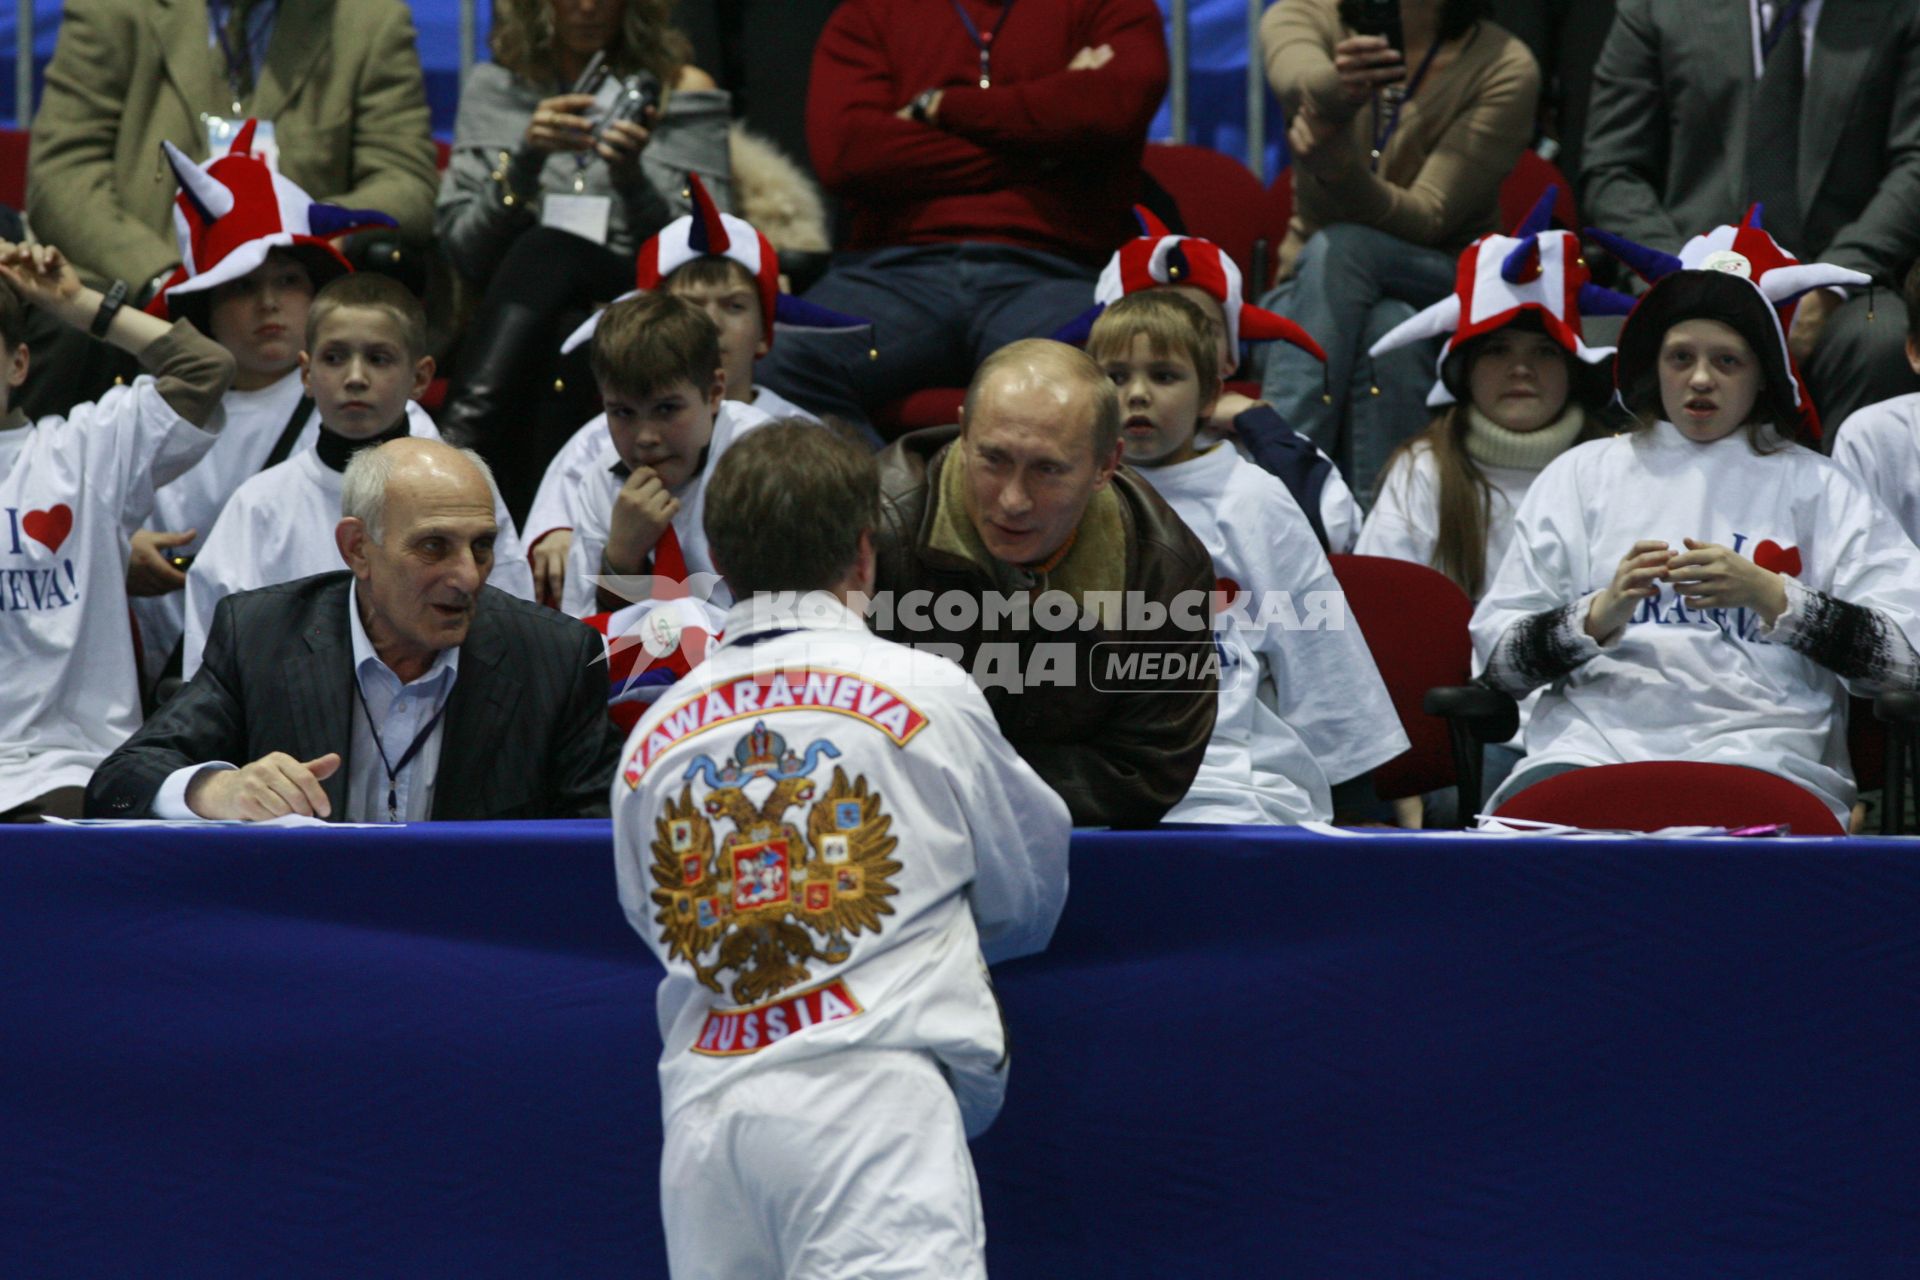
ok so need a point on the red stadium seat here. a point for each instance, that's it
(13, 167)
(1523, 186)
(1218, 198)
(1386, 597)
(1672, 793)
(933, 407)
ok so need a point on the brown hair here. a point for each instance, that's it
(372, 290)
(1074, 367)
(786, 506)
(522, 41)
(1172, 325)
(13, 317)
(711, 271)
(645, 344)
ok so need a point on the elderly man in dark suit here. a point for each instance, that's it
(1811, 107)
(403, 690)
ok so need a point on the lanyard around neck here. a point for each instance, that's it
(983, 41)
(393, 770)
(1383, 136)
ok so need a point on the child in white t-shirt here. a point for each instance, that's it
(1517, 387)
(1703, 588)
(71, 491)
(365, 365)
(1302, 706)
(721, 264)
(248, 277)
(1202, 273)
(636, 512)
(1880, 443)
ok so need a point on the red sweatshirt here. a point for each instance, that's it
(1046, 158)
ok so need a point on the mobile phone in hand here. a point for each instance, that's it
(1378, 18)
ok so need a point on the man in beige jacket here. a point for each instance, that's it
(338, 79)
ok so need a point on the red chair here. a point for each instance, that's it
(1218, 198)
(1415, 620)
(1522, 189)
(932, 407)
(13, 167)
(1673, 793)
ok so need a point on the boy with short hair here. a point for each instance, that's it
(722, 265)
(1302, 708)
(1205, 275)
(637, 509)
(365, 365)
(1880, 443)
(70, 488)
(254, 248)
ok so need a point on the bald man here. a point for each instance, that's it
(1072, 594)
(401, 689)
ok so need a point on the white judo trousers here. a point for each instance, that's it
(742, 1191)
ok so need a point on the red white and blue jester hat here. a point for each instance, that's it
(1537, 272)
(1158, 257)
(709, 233)
(234, 210)
(1746, 250)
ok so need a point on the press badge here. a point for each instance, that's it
(221, 131)
(584, 216)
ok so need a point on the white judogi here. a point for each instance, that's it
(1681, 684)
(278, 527)
(1880, 444)
(70, 490)
(549, 509)
(590, 512)
(1300, 709)
(821, 834)
(255, 422)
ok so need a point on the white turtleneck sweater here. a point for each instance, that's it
(1405, 521)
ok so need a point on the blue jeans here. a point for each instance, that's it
(937, 311)
(1351, 284)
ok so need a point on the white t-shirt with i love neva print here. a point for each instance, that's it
(1301, 708)
(71, 491)
(1711, 685)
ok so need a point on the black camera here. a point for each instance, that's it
(637, 95)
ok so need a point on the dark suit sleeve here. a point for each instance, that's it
(1623, 173)
(1882, 241)
(585, 743)
(203, 722)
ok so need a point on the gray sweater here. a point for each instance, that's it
(475, 222)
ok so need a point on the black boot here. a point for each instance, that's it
(505, 362)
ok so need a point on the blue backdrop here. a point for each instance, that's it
(425, 1053)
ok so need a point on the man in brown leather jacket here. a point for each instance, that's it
(1020, 547)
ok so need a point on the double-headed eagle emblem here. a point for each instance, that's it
(769, 898)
